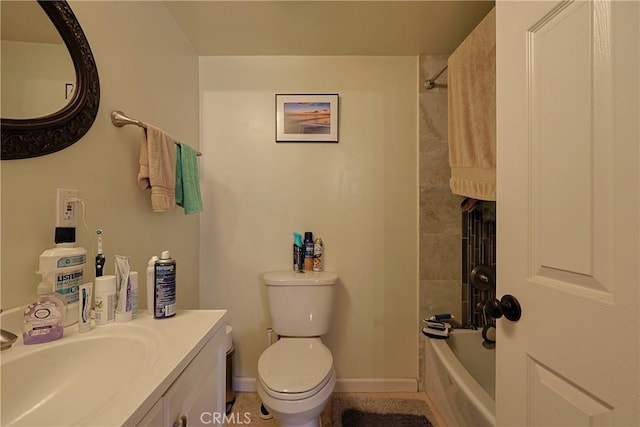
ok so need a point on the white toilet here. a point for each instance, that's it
(296, 375)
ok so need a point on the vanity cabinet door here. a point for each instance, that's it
(196, 398)
(154, 417)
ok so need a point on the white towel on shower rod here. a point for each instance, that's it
(472, 113)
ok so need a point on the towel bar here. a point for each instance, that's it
(119, 119)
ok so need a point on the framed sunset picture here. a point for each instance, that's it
(307, 118)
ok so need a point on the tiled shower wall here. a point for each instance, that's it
(478, 249)
(440, 227)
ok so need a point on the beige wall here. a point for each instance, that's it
(148, 69)
(359, 195)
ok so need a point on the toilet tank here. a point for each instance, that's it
(300, 304)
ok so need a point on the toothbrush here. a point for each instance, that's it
(100, 257)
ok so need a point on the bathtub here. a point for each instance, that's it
(460, 378)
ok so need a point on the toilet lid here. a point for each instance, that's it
(295, 365)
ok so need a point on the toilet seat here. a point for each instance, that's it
(295, 368)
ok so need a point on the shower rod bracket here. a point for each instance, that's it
(431, 83)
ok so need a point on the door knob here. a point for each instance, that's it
(507, 306)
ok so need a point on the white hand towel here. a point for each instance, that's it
(158, 168)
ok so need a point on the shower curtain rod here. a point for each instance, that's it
(431, 83)
(119, 119)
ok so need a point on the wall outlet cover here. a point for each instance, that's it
(66, 211)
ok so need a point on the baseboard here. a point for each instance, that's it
(347, 385)
(244, 384)
(376, 385)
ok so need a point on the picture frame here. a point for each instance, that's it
(307, 117)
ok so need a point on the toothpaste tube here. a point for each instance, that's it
(123, 289)
(84, 314)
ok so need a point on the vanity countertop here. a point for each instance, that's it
(109, 376)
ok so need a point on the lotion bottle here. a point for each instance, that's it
(44, 316)
(105, 299)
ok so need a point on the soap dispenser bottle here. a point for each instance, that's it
(44, 316)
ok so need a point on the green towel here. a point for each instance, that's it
(187, 180)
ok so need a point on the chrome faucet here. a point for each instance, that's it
(7, 339)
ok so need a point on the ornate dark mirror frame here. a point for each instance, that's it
(25, 138)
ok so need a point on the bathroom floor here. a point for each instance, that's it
(246, 409)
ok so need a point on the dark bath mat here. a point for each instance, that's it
(357, 418)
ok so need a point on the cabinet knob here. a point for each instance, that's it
(181, 422)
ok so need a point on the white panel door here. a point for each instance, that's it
(568, 206)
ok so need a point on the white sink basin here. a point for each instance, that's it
(110, 376)
(38, 380)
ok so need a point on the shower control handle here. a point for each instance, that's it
(507, 306)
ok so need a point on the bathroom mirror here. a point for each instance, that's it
(37, 71)
(25, 137)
